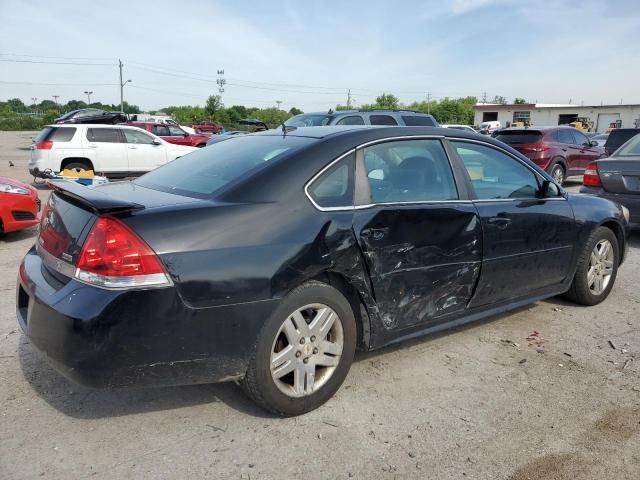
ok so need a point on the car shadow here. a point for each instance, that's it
(19, 235)
(88, 403)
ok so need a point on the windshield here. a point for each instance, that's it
(309, 120)
(629, 149)
(517, 136)
(201, 173)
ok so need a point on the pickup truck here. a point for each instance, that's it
(207, 127)
(173, 134)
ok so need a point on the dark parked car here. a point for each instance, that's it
(561, 151)
(269, 258)
(617, 138)
(404, 118)
(617, 177)
(92, 115)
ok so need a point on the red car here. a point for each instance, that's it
(19, 205)
(173, 134)
(561, 151)
(207, 127)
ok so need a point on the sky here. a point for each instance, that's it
(309, 54)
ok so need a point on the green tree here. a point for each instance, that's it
(214, 102)
(295, 111)
(519, 101)
(499, 99)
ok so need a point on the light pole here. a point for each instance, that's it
(55, 98)
(122, 84)
(279, 102)
(34, 99)
(88, 93)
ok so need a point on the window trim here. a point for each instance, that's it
(475, 199)
(98, 127)
(349, 124)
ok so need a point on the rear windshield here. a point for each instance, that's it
(418, 121)
(202, 173)
(629, 149)
(517, 137)
(619, 136)
(57, 134)
(309, 120)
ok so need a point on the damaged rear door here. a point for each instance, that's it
(420, 235)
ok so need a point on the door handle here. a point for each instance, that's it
(133, 147)
(93, 146)
(500, 222)
(375, 233)
(564, 149)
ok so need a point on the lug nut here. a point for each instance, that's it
(302, 341)
(298, 354)
(306, 360)
(313, 339)
(315, 350)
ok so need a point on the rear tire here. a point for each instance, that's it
(77, 167)
(597, 268)
(558, 172)
(316, 356)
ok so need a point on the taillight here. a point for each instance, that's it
(535, 147)
(45, 145)
(591, 176)
(113, 256)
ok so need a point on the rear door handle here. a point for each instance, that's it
(132, 147)
(500, 222)
(93, 146)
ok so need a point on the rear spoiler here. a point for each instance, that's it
(92, 198)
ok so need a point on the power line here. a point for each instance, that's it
(59, 63)
(51, 56)
(84, 84)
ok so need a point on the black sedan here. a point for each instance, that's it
(269, 258)
(92, 115)
(617, 177)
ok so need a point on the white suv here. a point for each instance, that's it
(113, 150)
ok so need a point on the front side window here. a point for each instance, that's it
(496, 175)
(138, 137)
(175, 131)
(161, 130)
(334, 188)
(382, 120)
(580, 138)
(103, 135)
(351, 120)
(564, 136)
(409, 171)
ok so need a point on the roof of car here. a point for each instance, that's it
(336, 130)
(91, 125)
(374, 110)
(510, 129)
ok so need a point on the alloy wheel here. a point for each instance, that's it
(306, 350)
(558, 174)
(600, 267)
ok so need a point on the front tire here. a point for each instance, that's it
(558, 173)
(597, 268)
(304, 351)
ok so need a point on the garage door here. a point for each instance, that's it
(605, 119)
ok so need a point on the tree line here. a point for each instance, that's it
(16, 115)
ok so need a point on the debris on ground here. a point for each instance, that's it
(627, 363)
(612, 345)
(523, 360)
(534, 339)
(557, 309)
(507, 341)
(567, 354)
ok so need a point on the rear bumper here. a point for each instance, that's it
(632, 202)
(104, 338)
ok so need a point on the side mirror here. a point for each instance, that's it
(548, 189)
(156, 142)
(593, 143)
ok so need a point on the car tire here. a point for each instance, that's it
(201, 145)
(77, 167)
(558, 172)
(593, 268)
(315, 369)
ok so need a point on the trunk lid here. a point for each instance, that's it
(620, 176)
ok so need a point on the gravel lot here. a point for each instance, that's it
(478, 402)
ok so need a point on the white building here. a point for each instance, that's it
(543, 114)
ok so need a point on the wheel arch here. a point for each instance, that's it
(619, 232)
(561, 160)
(68, 160)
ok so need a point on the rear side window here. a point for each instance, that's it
(564, 136)
(57, 134)
(352, 120)
(201, 173)
(409, 171)
(516, 137)
(161, 130)
(418, 121)
(104, 135)
(334, 188)
(382, 120)
(580, 138)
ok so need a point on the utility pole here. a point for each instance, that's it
(122, 84)
(88, 93)
(55, 98)
(428, 102)
(34, 99)
(349, 99)
(484, 97)
(279, 102)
